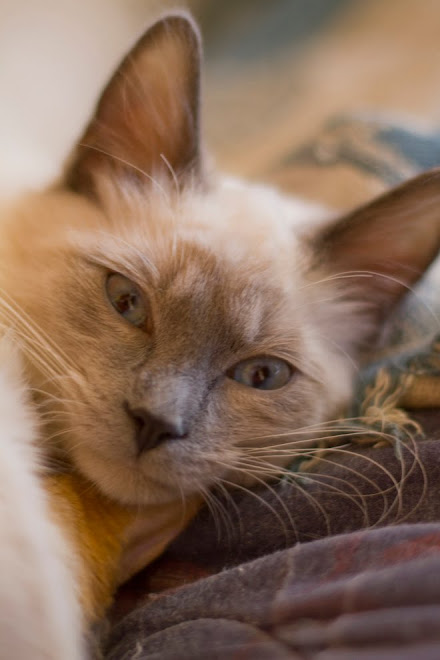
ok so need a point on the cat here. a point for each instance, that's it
(171, 321)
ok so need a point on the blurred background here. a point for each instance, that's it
(275, 72)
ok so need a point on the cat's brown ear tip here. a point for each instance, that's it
(179, 23)
(183, 20)
(147, 120)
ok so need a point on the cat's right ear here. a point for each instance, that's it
(379, 251)
(146, 124)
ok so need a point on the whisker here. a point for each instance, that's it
(218, 512)
(273, 471)
(17, 313)
(327, 425)
(265, 504)
(128, 164)
(268, 487)
(371, 273)
(286, 445)
(172, 172)
(227, 497)
(327, 482)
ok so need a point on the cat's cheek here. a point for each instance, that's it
(268, 429)
(236, 421)
(158, 476)
(124, 480)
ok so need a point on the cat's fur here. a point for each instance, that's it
(229, 270)
(39, 611)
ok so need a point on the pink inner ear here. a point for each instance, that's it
(147, 120)
(396, 237)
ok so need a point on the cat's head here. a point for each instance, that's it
(178, 320)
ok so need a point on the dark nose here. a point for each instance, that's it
(151, 430)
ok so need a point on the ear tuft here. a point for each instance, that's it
(147, 122)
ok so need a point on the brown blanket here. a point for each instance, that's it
(372, 594)
(352, 595)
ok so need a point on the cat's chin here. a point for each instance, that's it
(135, 483)
(127, 484)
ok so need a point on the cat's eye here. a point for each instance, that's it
(262, 373)
(127, 299)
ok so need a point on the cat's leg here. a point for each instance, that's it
(39, 613)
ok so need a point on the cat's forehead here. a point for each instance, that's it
(240, 221)
(201, 295)
(224, 262)
(245, 222)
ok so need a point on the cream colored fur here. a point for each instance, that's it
(227, 271)
(39, 614)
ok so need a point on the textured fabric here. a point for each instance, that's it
(371, 594)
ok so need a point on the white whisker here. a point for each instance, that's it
(128, 164)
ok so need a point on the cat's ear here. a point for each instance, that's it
(146, 123)
(381, 249)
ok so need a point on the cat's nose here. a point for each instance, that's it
(151, 430)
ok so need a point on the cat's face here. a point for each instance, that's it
(223, 338)
(190, 319)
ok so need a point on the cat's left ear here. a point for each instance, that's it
(146, 124)
(377, 252)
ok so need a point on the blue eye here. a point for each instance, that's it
(262, 373)
(127, 299)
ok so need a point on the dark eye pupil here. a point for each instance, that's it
(259, 376)
(126, 302)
